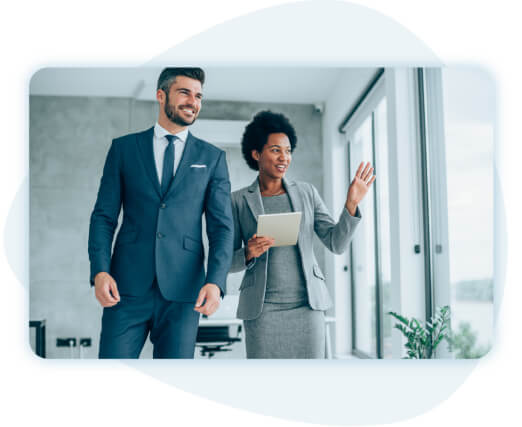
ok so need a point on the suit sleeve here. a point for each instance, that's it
(104, 217)
(220, 225)
(335, 236)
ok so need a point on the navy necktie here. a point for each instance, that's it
(168, 164)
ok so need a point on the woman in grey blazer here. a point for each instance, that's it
(283, 294)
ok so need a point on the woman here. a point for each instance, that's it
(283, 294)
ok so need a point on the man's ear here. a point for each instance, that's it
(160, 96)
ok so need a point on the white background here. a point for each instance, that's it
(68, 392)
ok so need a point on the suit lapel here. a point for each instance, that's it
(296, 199)
(145, 144)
(188, 157)
(294, 195)
(253, 198)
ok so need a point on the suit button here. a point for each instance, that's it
(163, 206)
(160, 235)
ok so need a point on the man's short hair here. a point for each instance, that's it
(168, 76)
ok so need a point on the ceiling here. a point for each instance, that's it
(302, 85)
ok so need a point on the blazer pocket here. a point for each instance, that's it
(192, 245)
(318, 273)
(126, 237)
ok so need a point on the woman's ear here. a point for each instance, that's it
(255, 155)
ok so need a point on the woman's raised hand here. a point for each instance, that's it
(359, 187)
(257, 246)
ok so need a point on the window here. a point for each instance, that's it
(370, 251)
(460, 146)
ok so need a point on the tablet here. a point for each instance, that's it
(283, 227)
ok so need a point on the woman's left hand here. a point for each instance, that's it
(359, 187)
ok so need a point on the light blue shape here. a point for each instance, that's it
(316, 33)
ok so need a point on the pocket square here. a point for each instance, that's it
(198, 166)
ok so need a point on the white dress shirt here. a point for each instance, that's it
(159, 144)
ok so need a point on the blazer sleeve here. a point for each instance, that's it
(104, 217)
(238, 260)
(220, 225)
(335, 236)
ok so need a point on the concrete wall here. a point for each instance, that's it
(69, 139)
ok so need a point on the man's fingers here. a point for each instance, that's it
(108, 295)
(105, 300)
(211, 304)
(104, 295)
(114, 290)
(201, 298)
(209, 308)
(109, 304)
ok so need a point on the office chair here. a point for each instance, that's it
(213, 339)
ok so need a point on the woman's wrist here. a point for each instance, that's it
(351, 207)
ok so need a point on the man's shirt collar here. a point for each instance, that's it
(160, 132)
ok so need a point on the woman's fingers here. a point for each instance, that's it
(368, 175)
(365, 171)
(259, 245)
(359, 170)
(265, 242)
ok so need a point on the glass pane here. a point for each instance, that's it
(363, 249)
(383, 216)
(469, 102)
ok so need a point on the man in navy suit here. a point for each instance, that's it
(165, 179)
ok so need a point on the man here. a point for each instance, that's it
(165, 179)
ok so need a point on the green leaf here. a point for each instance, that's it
(399, 317)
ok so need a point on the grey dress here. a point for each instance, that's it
(287, 327)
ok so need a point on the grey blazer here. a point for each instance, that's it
(247, 205)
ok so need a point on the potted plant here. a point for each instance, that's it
(422, 340)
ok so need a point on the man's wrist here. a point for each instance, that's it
(99, 274)
(219, 290)
(210, 285)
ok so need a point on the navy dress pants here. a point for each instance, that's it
(172, 326)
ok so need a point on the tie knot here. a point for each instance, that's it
(171, 138)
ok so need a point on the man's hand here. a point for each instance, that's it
(209, 294)
(106, 290)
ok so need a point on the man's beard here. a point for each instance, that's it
(175, 117)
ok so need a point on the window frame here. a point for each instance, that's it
(364, 108)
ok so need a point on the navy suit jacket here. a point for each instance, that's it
(162, 236)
